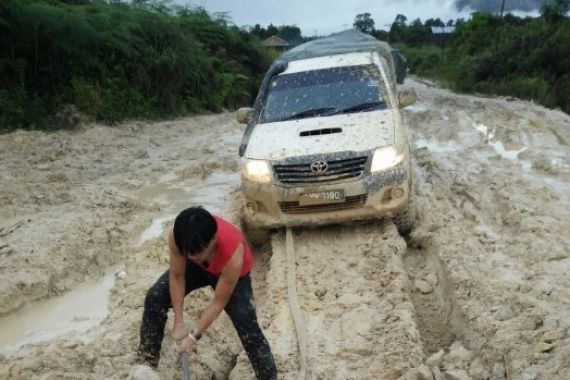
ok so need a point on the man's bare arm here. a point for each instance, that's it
(224, 289)
(177, 283)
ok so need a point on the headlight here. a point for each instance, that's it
(257, 171)
(385, 158)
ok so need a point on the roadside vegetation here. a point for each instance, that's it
(109, 61)
(527, 58)
(67, 60)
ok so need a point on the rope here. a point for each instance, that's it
(294, 305)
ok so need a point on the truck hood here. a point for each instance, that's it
(359, 132)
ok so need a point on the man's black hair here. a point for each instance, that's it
(194, 229)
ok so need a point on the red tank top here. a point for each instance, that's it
(229, 237)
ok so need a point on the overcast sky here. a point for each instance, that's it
(326, 16)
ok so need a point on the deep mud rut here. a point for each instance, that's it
(478, 291)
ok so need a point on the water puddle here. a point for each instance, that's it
(155, 229)
(70, 315)
(562, 163)
(416, 108)
(501, 151)
(482, 129)
(73, 314)
(174, 196)
(561, 187)
(438, 146)
(500, 147)
(77, 311)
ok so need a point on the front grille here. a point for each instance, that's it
(349, 202)
(340, 169)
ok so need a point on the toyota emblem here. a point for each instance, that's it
(319, 167)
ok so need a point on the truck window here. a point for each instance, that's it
(324, 92)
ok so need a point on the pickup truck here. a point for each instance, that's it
(325, 142)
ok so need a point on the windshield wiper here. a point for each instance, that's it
(359, 107)
(309, 113)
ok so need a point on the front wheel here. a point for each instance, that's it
(404, 221)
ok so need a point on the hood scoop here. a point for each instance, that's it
(319, 132)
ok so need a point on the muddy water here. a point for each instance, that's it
(70, 315)
(492, 232)
(173, 196)
(80, 310)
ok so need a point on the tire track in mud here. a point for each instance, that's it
(354, 295)
(494, 188)
(359, 289)
(294, 306)
(431, 293)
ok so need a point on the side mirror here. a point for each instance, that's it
(407, 97)
(243, 115)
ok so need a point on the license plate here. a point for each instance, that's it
(321, 197)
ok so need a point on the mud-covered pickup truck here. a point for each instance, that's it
(325, 142)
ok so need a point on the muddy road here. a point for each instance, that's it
(480, 290)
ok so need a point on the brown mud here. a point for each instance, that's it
(478, 291)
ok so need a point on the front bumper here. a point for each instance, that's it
(373, 196)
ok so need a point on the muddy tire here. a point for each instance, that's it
(405, 220)
(256, 236)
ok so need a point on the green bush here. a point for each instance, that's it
(526, 58)
(20, 110)
(522, 87)
(83, 95)
(114, 61)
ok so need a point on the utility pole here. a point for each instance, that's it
(502, 9)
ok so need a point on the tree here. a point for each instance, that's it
(434, 22)
(381, 35)
(364, 22)
(398, 29)
(417, 33)
(272, 30)
(120, 59)
(400, 20)
(555, 10)
(289, 32)
(258, 31)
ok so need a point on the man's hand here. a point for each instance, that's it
(186, 344)
(179, 332)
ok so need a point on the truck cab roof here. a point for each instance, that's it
(349, 41)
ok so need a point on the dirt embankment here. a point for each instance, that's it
(493, 180)
(479, 290)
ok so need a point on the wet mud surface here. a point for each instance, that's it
(479, 290)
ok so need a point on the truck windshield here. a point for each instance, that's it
(323, 92)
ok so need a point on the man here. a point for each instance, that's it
(205, 250)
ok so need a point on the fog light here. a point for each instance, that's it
(398, 192)
(252, 206)
(387, 196)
